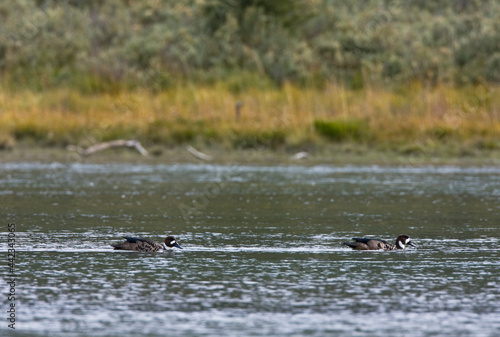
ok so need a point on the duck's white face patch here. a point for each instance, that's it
(173, 242)
(407, 240)
(401, 244)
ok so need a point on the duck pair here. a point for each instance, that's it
(146, 245)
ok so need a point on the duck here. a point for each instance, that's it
(377, 244)
(145, 245)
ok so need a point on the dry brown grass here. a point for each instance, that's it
(269, 118)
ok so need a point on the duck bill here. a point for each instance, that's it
(175, 245)
(412, 244)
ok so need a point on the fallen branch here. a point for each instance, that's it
(109, 145)
(198, 154)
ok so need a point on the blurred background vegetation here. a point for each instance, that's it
(95, 45)
(364, 47)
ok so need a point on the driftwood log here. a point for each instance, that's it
(198, 154)
(109, 145)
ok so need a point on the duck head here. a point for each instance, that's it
(170, 242)
(404, 240)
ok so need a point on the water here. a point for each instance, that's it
(262, 255)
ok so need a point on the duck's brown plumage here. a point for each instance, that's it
(377, 244)
(145, 245)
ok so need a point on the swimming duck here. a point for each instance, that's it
(145, 245)
(377, 244)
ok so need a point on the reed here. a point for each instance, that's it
(288, 116)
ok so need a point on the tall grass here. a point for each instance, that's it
(279, 117)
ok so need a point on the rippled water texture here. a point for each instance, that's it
(262, 255)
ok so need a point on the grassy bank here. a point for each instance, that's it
(406, 121)
(401, 77)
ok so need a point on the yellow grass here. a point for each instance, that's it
(283, 116)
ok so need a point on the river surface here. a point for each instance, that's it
(263, 253)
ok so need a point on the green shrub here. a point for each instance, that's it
(115, 45)
(340, 130)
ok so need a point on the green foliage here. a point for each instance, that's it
(97, 46)
(289, 13)
(341, 130)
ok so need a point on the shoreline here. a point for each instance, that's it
(335, 154)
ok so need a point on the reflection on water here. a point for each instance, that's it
(263, 252)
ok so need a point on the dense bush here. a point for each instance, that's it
(117, 44)
(340, 130)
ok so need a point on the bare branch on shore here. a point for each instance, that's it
(109, 145)
(198, 154)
